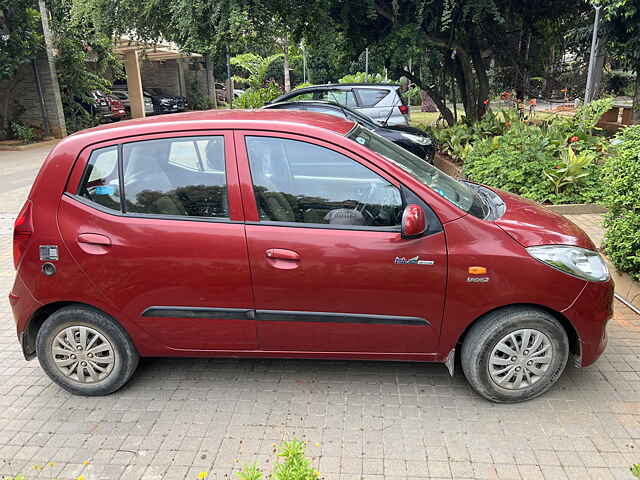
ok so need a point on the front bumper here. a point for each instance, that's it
(589, 314)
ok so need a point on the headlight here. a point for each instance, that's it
(422, 140)
(576, 261)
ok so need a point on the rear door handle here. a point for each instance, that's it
(94, 239)
(282, 254)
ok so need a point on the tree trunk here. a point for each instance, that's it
(462, 70)
(483, 79)
(436, 96)
(636, 100)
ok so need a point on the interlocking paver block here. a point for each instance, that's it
(372, 420)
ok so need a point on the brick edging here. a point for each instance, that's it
(18, 147)
(626, 286)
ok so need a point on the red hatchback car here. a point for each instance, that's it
(294, 235)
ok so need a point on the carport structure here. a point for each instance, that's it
(131, 51)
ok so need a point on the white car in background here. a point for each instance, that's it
(381, 102)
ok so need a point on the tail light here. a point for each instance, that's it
(22, 231)
(404, 110)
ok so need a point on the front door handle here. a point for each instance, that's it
(282, 254)
(94, 239)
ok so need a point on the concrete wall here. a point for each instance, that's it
(172, 76)
(165, 75)
(26, 95)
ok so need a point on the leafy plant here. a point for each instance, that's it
(518, 160)
(294, 465)
(359, 77)
(23, 133)
(257, 97)
(635, 470)
(256, 68)
(621, 180)
(573, 169)
(412, 96)
(302, 85)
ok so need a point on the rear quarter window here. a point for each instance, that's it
(100, 183)
(369, 97)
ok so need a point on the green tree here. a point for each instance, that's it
(622, 23)
(459, 37)
(85, 56)
(20, 42)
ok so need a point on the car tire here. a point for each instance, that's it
(85, 351)
(514, 354)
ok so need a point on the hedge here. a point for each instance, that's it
(621, 177)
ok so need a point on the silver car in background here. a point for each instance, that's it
(381, 102)
(123, 96)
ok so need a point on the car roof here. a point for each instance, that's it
(321, 103)
(277, 120)
(334, 85)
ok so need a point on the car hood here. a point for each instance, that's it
(530, 224)
(408, 129)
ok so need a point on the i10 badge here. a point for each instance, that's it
(415, 261)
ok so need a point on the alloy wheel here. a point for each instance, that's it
(83, 354)
(520, 359)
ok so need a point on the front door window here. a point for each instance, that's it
(299, 182)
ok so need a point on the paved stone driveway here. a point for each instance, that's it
(370, 420)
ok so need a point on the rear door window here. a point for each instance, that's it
(370, 97)
(178, 176)
(343, 97)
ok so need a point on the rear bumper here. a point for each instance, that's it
(589, 314)
(23, 306)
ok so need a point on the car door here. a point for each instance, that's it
(330, 270)
(156, 225)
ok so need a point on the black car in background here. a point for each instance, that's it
(418, 142)
(164, 102)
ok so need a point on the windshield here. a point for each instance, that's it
(441, 183)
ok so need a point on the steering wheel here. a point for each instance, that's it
(364, 207)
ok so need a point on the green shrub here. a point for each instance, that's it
(635, 470)
(23, 133)
(256, 98)
(557, 161)
(621, 179)
(294, 465)
(197, 99)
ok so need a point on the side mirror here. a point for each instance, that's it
(414, 221)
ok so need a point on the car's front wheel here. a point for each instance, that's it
(85, 351)
(514, 354)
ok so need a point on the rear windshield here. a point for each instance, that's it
(457, 193)
(370, 97)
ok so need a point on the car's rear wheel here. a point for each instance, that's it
(514, 354)
(85, 351)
